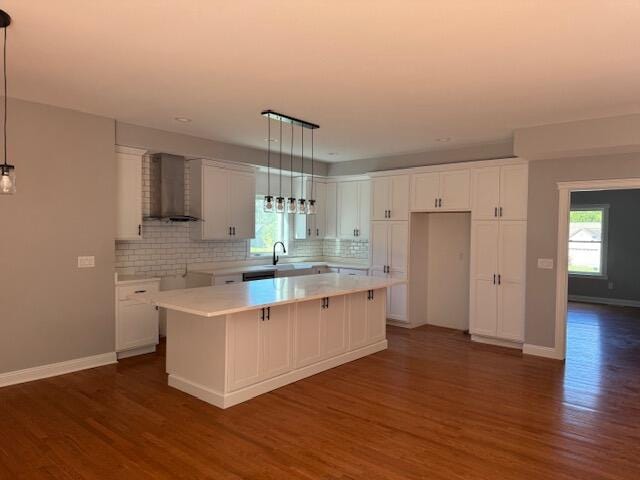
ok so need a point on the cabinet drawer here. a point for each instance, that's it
(131, 290)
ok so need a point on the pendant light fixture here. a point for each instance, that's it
(311, 207)
(302, 204)
(292, 206)
(7, 171)
(280, 205)
(268, 199)
(291, 202)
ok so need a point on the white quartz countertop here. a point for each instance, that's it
(133, 279)
(240, 297)
(268, 267)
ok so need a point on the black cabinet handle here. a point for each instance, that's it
(229, 230)
(234, 231)
(139, 230)
(268, 313)
(494, 278)
(140, 291)
(309, 232)
(495, 212)
(500, 211)
(436, 203)
(499, 279)
(440, 202)
(262, 315)
(317, 232)
(327, 302)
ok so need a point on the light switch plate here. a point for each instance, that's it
(545, 263)
(86, 262)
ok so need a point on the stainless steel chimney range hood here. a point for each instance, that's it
(167, 189)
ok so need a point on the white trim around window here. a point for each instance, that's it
(604, 241)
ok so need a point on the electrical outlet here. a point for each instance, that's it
(86, 262)
(545, 263)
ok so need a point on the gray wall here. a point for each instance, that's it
(462, 154)
(179, 144)
(543, 229)
(623, 255)
(50, 310)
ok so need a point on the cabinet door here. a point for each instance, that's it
(398, 240)
(486, 193)
(137, 325)
(215, 204)
(128, 196)
(242, 204)
(319, 219)
(331, 200)
(397, 298)
(308, 333)
(380, 198)
(512, 247)
(276, 342)
(364, 209)
(245, 349)
(425, 191)
(455, 190)
(399, 206)
(379, 244)
(513, 191)
(484, 270)
(376, 316)
(347, 209)
(334, 327)
(358, 321)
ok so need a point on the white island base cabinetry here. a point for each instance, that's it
(307, 325)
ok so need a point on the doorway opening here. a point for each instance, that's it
(598, 269)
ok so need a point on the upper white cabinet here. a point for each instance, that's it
(353, 209)
(447, 190)
(223, 196)
(498, 258)
(390, 197)
(331, 209)
(129, 193)
(500, 192)
(314, 226)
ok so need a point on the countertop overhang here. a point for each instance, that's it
(239, 297)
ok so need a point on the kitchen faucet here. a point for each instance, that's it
(275, 257)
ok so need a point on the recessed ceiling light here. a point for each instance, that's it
(182, 119)
(333, 153)
(273, 140)
(443, 139)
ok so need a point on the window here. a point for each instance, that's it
(270, 228)
(588, 240)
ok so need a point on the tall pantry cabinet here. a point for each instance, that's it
(389, 237)
(498, 251)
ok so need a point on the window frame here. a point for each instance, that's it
(604, 249)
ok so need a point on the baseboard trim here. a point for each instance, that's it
(226, 400)
(55, 369)
(618, 302)
(539, 351)
(398, 323)
(136, 351)
(498, 342)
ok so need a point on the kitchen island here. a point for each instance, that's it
(227, 344)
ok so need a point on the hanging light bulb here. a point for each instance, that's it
(302, 204)
(7, 172)
(311, 207)
(268, 198)
(291, 201)
(280, 204)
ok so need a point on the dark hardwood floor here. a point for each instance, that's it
(432, 406)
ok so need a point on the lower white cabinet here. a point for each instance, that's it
(497, 296)
(320, 330)
(366, 317)
(259, 345)
(396, 295)
(136, 321)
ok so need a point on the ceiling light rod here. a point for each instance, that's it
(7, 171)
(281, 117)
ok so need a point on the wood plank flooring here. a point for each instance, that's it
(432, 406)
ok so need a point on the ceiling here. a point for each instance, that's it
(380, 77)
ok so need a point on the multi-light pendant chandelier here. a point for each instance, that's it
(302, 206)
